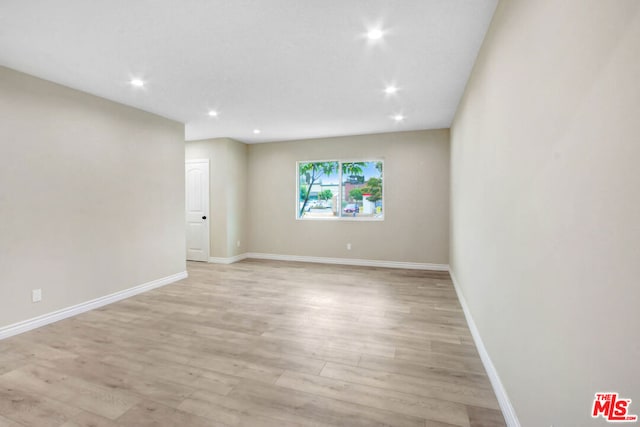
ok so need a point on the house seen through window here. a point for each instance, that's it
(337, 189)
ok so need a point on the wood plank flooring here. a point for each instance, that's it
(257, 343)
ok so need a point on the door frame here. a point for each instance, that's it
(207, 205)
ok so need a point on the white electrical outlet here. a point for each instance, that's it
(348, 246)
(36, 295)
(238, 243)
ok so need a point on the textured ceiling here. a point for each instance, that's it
(292, 68)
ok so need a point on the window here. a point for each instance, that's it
(336, 189)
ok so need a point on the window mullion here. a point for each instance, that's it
(340, 190)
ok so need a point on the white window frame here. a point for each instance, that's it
(340, 188)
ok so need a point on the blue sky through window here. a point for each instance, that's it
(369, 170)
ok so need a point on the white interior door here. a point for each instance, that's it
(197, 204)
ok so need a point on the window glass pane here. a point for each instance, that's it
(362, 189)
(318, 184)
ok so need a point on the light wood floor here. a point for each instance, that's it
(257, 343)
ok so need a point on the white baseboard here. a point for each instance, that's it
(501, 393)
(351, 261)
(45, 319)
(227, 260)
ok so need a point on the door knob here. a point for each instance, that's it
(204, 217)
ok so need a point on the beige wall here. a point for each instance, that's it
(91, 197)
(545, 225)
(227, 193)
(415, 228)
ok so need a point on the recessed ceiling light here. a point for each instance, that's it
(137, 83)
(398, 117)
(390, 90)
(256, 131)
(213, 113)
(375, 34)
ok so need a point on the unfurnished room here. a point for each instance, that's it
(420, 213)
